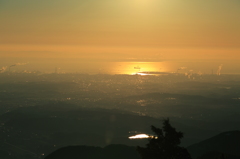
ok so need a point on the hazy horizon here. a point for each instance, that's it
(116, 36)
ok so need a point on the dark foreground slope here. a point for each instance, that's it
(38, 131)
(218, 155)
(227, 143)
(90, 152)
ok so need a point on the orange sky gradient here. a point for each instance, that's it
(90, 33)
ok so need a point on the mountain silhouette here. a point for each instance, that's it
(217, 155)
(227, 143)
(90, 152)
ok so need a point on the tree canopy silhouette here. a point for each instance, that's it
(165, 144)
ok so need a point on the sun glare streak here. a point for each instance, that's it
(141, 136)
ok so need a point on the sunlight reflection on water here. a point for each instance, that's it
(139, 68)
(141, 136)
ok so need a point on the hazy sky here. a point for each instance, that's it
(106, 34)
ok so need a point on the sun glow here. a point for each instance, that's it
(144, 3)
(138, 68)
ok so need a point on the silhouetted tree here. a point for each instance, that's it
(165, 144)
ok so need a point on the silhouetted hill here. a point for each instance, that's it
(217, 155)
(227, 143)
(73, 152)
(120, 152)
(90, 152)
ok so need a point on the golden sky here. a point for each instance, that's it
(104, 31)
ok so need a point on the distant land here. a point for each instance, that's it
(41, 113)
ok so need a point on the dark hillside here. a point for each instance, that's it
(227, 143)
(217, 155)
(90, 152)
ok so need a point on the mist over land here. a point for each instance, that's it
(43, 112)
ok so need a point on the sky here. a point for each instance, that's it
(106, 36)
